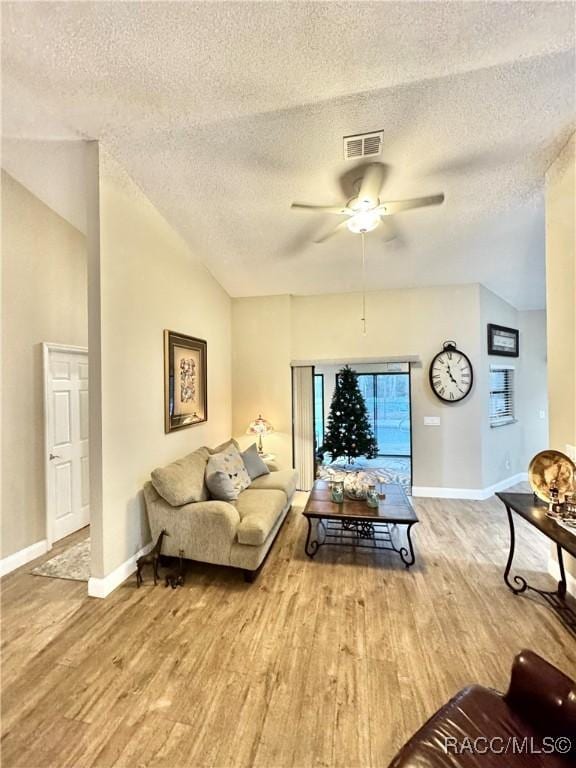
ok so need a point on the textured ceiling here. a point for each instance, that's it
(226, 112)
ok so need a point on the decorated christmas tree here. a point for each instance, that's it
(349, 433)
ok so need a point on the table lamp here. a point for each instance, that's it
(259, 427)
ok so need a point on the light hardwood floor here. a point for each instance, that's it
(332, 662)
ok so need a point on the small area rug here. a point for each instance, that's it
(381, 470)
(73, 563)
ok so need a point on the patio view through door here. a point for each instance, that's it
(388, 402)
(387, 397)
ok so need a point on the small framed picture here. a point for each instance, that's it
(185, 381)
(503, 341)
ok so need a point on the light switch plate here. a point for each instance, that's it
(571, 451)
(431, 421)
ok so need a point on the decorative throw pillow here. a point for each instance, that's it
(221, 486)
(230, 462)
(224, 447)
(253, 463)
(182, 481)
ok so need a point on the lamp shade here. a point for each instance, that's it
(259, 426)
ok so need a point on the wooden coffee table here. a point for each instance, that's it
(354, 523)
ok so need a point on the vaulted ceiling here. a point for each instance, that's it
(226, 112)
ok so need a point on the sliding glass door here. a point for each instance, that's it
(392, 414)
(318, 409)
(387, 398)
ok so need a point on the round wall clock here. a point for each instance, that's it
(451, 374)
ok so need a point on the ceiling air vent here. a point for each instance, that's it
(363, 145)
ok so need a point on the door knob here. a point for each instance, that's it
(53, 456)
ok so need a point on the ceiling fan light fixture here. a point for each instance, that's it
(366, 210)
(365, 221)
(362, 204)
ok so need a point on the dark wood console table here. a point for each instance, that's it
(531, 509)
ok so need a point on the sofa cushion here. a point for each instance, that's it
(259, 511)
(230, 463)
(283, 480)
(204, 530)
(183, 481)
(224, 446)
(221, 486)
(253, 463)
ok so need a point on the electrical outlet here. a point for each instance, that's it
(541, 414)
(431, 421)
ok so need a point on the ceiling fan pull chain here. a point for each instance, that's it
(363, 318)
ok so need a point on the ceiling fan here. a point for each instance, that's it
(367, 211)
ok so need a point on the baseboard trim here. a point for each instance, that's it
(554, 571)
(23, 556)
(102, 587)
(432, 492)
(470, 494)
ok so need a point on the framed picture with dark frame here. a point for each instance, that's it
(503, 341)
(185, 381)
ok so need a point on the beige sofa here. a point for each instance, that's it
(239, 534)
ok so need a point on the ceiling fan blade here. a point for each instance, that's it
(339, 210)
(371, 184)
(396, 206)
(333, 232)
(389, 230)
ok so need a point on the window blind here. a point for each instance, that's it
(303, 425)
(501, 409)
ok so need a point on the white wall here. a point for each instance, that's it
(43, 299)
(148, 281)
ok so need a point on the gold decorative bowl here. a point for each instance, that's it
(551, 469)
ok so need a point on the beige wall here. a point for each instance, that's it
(561, 296)
(533, 384)
(261, 335)
(149, 281)
(43, 299)
(269, 332)
(407, 322)
(399, 323)
(507, 450)
(561, 303)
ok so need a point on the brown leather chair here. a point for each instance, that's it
(532, 725)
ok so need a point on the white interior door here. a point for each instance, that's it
(66, 431)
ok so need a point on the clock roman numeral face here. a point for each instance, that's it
(451, 375)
